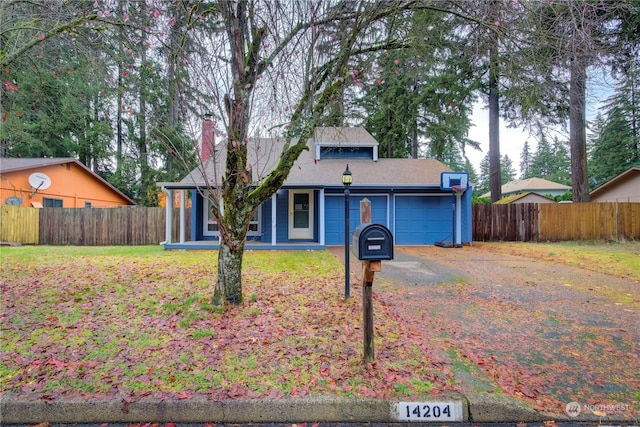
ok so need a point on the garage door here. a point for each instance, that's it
(334, 215)
(423, 220)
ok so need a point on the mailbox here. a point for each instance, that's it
(372, 242)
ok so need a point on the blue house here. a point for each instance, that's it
(407, 196)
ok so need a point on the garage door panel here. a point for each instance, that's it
(422, 220)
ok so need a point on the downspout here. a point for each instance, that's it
(182, 219)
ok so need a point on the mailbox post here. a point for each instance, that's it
(372, 243)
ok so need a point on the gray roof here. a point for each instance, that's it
(17, 164)
(264, 154)
(337, 136)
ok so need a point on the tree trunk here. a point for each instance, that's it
(495, 179)
(577, 125)
(229, 282)
(119, 95)
(414, 139)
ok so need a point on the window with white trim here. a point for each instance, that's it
(211, 225)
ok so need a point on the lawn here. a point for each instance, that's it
(137, 321)
(621, 259)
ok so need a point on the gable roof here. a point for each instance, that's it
(8, 164)
(264, 153)
(336, 136)
(528, 195)
(628, 174)
(537, 185)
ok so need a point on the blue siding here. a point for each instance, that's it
(265, 222)
(423, 220)
(414, 219)
(467, 220)
(334, 215)
(196, 215)
(282, 218)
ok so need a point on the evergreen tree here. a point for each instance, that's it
(542, 162)
(58, 106)
(583, 35)
(560, 170)
(551, 161)
(615, 146)
(525, 160)
(507, 171)
(473, 176)
(419, 98)
(482, 185)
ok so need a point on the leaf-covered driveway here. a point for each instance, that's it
(539, 331)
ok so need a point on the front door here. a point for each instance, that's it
(301, 214)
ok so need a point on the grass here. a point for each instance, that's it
(139, 321)
(621, 259)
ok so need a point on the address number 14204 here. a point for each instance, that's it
(428, 411)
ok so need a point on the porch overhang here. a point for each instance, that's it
(252, 245)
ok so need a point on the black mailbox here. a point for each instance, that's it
(372, 242)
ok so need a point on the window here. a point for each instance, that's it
(51, 203)
(87, 204)
(211, 226)
(346, 152)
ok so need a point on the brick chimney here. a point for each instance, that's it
(208, 138)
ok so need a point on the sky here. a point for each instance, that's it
(512, 139)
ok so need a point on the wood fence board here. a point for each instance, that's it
(19, 225)
(106, 226)
(629, 221)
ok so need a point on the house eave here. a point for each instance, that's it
(335, 187)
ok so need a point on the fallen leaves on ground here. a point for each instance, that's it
(133, 326)
(541, 342)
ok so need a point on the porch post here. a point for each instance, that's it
(168, 215)
(458, 209)
(321, 210)
(274, 221)
(182, 221)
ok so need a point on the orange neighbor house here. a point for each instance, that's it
(55, 182)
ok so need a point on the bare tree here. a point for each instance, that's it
(276, 68)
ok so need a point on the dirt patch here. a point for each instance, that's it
(527, 327)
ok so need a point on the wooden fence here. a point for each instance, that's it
(146, 226)
(505, 222)
(88, 227)
(19, 225)
(556, 222)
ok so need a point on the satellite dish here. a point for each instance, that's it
(14, 201)
(39, 181)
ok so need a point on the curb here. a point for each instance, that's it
(326, 408)
(199, 409)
